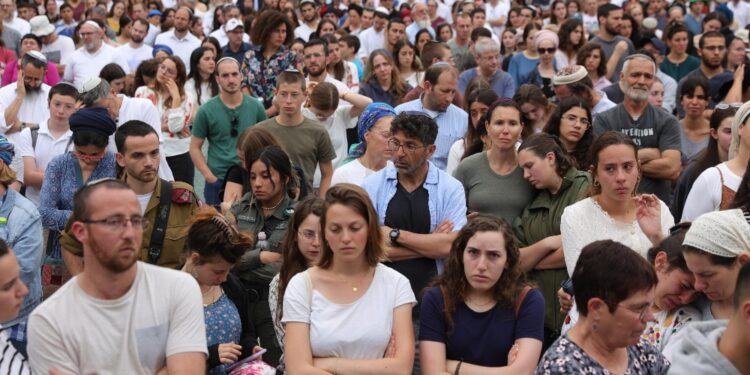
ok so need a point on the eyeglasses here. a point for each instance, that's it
(723, 105)
(394, 145)
(119, 223)
(310, 235)
(585, 122)
(640, 311)
(235, 122)
(550, 51)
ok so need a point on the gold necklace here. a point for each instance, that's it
(212, 299)
(274, 206)
(355, 288)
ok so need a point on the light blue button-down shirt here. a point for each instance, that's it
(446, 197)
(452, 126)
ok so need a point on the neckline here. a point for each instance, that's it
(356, 301)
(610, 218)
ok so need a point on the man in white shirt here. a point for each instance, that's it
(590, 20)
(55, 47)
(24, 104)
(10, 19)
(136, 51)
(139, 318)
(741, 10)
(52, 138)
(310, 19)
(374, 37)
(497, 14)
(88, 61)
(180, 39)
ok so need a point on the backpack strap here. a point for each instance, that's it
(160, 223)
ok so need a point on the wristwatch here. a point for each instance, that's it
(395, 233)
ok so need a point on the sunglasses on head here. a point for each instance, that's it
(235, 124)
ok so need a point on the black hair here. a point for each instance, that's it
(541, 144)
(132, 128)
(672, 246)
(417, 126)
(111, 72)
(63, 89)
(580, 153)
(274, 157)
(605, 10)
(195, 74)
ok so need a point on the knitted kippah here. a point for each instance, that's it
(569, 74)
(722, 233)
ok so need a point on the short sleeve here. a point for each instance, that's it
(404, 293)
(187, 326)
(296, 301)
(234, 174)
(23, 143)
(669, 137)
(432, 326)
(200, 125)
(325, 148)
(531, 317)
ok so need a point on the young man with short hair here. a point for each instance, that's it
(305, 140)
(308, 21)
(610, 22)
(136, 50)
(395, 32)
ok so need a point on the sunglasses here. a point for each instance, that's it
(235, 124)
(542, 51)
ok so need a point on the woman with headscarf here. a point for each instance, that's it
(372, 153)
(545, 43)
(88, 161)
(714, 189)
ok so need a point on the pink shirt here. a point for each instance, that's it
(11, 74)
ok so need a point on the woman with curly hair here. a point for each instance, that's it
(571, 122)
(480, 315)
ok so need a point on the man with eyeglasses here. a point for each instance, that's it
(610, 20)
(118, 314)
(420, 207)
(88, 61)
(220, 121)
(487, 55)
(315, 54)
(24, 103)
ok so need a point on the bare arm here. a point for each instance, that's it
(397, 253)
(186, 363)
(232, 192)
(668, 166)
(359, 102)
(432, 355)
(431, 245)
(734, 95)
(199, 160)
(11, 114)
(32, 176)
(531, 255)
(326, 172)
(552, 261)
(297, 352)
(620, 49)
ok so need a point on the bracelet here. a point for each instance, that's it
(458, 368)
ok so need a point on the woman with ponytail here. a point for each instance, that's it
(559, 184)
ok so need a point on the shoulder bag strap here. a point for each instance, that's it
(519, 300)
(160, 224)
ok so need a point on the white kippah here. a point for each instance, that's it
(722, 233)
(569, 74)
(92, 23)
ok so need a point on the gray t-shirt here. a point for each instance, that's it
(689, 148)
(653, 129)
(490, 193)
(609, 48)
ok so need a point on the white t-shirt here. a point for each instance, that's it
(47, 148)
(454, 155)
(338, 330)
(336, 126)
(34, 108)
(59, 50)
(82, 65)
(303, 31)
(19, 24)
(143, 201)
(603, 105)
(370, 40)
(495, 12)
(741, 12)
(161, 315)
(135, 56)
(352, 172)
(705, 195)
(143, 110)
(182, 48)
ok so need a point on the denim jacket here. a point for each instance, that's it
(23, 233)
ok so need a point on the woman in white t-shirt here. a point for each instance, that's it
(714, 189)
(349, 314)
(167, 92)
(372, 153)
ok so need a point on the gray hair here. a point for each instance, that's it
(638, 56)
(485, 45)
(99, 92)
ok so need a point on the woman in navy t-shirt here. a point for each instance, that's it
(480, 313)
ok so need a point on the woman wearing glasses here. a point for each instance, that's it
(66, 173)
(167, 92)
(264, 213)
(614, 291)
(571, 122)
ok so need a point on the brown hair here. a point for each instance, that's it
(180, 80)
(610, 138)
(355, 198)
(212, 236)
(529, 93)
(325, 97)
(541, 144)
(272, 19)
(398, 89)
(586, 51)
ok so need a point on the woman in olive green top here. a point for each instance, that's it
(266, 209)
(549, 169)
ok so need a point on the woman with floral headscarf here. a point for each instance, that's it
(372, 153)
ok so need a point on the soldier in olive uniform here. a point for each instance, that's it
(266, 210)
(167, 206)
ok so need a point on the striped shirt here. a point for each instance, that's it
(11, 361)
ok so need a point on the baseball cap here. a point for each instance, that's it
(232, 24)
(154, 12)
(659, 45)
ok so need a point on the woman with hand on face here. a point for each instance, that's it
(349, 314)
(614, 289)
(167, 92)
(213, 247)
(571, 123)
(546, 166)
(12, 295)
(480, 316)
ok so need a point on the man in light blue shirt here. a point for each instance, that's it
(487, 55)
(440, 84)
(421, 18)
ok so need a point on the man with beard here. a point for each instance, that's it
(163, 241)
(88, 61)
(24, 104)
(610, 20)
(655, 132)
(421, 17)
(394, 33)
(310, 19)
(440, 86)
(221, 120)
(712, 49)
(180, 39)
(315, 56)
(136, 51)
(118, 315)
(419, 206)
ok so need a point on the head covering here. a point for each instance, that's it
(546, 35)
(40, 26)
(95, 118)
(367, 120)
(739, 118)
(658, 44)
(722, 233)
(232, 24)
(161, 47)
(154, 12)
(569, 74)
(7, 151)
(36, 55)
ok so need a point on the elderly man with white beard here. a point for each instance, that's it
(656, 133)
(421, 16)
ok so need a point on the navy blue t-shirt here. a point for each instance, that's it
(485, 338)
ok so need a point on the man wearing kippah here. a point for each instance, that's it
(94, 54)
(24, 103)
(574, 80)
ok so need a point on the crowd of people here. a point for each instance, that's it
(374, 187)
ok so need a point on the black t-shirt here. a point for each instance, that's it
(410, 212)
